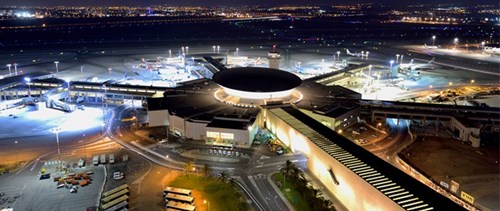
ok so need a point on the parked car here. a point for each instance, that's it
(74, 189)
(44, 176)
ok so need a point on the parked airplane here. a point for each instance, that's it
(411, 66)
(353, 54)
(431, 47)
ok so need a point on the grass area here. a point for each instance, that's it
(221, 196)
(292, 195)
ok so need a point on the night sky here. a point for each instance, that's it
(221, 2)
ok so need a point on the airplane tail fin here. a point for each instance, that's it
(348, 52)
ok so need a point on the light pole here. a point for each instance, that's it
(370, 72)
(15, 68)
(366, 56)
(218, 49)
(456, 42)
(338, 55)
(56, 131)
(103, 99)
(237, 50)
(17, 154)
(207, 203)
(401, 60)
(182, 49)
(10, 70)
(28, 80)
(57, 66)
(434, 40)
(187, 49)
(397, 58)
(482, 47)
(391, 62)
(81, 71)
(378, 125)
(169, 53)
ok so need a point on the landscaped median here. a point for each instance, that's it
(298, 191)
(291, 194)
(212, 193)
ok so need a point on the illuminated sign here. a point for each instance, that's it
(466, 197)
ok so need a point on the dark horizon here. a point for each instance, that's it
(33, 3)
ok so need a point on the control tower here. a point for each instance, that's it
(274, 58)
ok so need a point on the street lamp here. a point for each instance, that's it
(28, 80)
(57, 66)
(218, 49)
(56, 131)
(213, 47)
(378, 125)
(187, 49)
(17, 154)
(472, 81)
(366, 56)
(169, 53)
(102, 127)
(456, 42)
(81, 71)
(401, 59)
(369, 71)
(237, 50)
(434, 40)
(207, 203)
(397, 58)
(391, 62)
(15, 67)
(10, 70)
(338, 55)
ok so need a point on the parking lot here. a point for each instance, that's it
(44, 194)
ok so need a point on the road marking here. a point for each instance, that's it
(34, 164)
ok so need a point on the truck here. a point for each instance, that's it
(103, 158)
(111, 158)
(95, 160)
(81, 162)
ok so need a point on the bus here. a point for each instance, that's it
(179, 198)
(114, 190)
(114, 196)
(114, 202)
(179, 191)
(180, 206)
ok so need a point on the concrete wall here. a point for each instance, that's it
(177, 123)
(196, 130)
(158, 118)
(319, 162)
(466, 133)
(321, 118)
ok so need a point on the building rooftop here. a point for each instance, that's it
(257, 79)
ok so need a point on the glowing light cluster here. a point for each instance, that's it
(258, 95)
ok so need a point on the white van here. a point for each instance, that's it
(103, 158)
(111, 158)
(95, 160)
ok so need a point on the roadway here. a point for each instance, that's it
(251, 174)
